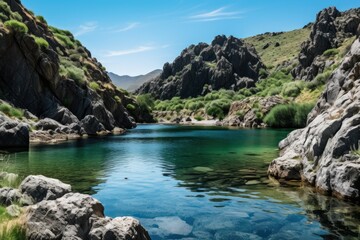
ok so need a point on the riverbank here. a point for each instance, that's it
(46, 208)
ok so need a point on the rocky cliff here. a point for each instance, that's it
(49, 73)
(329, 31)
(226, 63)
(326, 153)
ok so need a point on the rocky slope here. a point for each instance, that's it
(329, 31)
(131, 83)
(47, 209)
(326, 153)
(48, 73)
(226, 63)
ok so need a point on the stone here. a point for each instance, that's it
(8, 196)
(13, 134)
(92, 125)
(14, 210)
(40, 188)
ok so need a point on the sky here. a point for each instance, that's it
(137, 36)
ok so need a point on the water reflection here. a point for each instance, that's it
(193, 183)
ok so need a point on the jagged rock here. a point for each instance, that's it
(13, 134)
(227, 63)
(48, 124)
(13, 210)
(9, 196)
(92, 125)
(325, 148)
(78, 216)
(41, 188)
(329, 31)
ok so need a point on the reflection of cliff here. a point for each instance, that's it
(81, 164)
(342, 218)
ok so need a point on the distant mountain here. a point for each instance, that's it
(131, 83)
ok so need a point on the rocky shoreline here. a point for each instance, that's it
(48, 209)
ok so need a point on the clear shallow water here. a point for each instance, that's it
(193, 183)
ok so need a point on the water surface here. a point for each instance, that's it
(193, 183)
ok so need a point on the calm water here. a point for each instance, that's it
(193, 183)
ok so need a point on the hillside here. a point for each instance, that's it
(227, 63)
(131, 83)
(50, 83)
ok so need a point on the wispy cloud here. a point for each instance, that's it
(86, 28)
(134, 50)
(128, 27)
(217, 14)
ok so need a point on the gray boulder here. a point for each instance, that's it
(41, 188)
(78, 216)
(13, 134)
(9, 196)
(48, 124)
(91, 125)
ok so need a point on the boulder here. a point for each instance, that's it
(91, 125)
(13, 134)
(8, 196)
(78, 216)
(48, 124)
(40, 188)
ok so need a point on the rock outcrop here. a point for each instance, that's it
(226, 63)
(326, 152)
(54, 212)
(329, 31)
(13, 134)
(49, 73)
(250, 111)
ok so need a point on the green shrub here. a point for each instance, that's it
(94, 86)
(16, 26)
(130, 107)
(64, 40)
(146, 102)
(288, 116)
(240, 114)
(3, 17)
(41, 19)
(198, 118)
(11, 111)
(292, 89)
(263, 73)
(215, 111)
(117, 99)
(72, 72)
(41, 42)
(331, 52)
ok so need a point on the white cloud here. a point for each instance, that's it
(86, 28)
(128, 27)
(134, 50)
(130, 51)
(217, 14)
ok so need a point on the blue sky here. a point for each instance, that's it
(137, 36)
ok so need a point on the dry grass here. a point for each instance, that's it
(289, 48)
(13, 229)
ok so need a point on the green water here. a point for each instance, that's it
(192, 183)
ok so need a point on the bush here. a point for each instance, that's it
(94, 86)
(198, 118)
(215, 111)
(64, 40)
(130, 107)
(11, 111)
(41, 19)
(42, 43)
(331, 52)
(146, 102)
(117, 99)
(292, 89)
(16, 26)
(240, 114)
(288, 116)
(72, 72)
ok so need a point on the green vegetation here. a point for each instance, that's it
(41, 42)
(94, 86)
(11, 228)
(289, 48)
(288, 116)
(41, 19)
(11, 111)
(69, 70)
(331, 52)
(130, 107)
(6, 13)
(198, 118)
(146, 102)
(64, 37)
(117, 99)
(16, 26)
